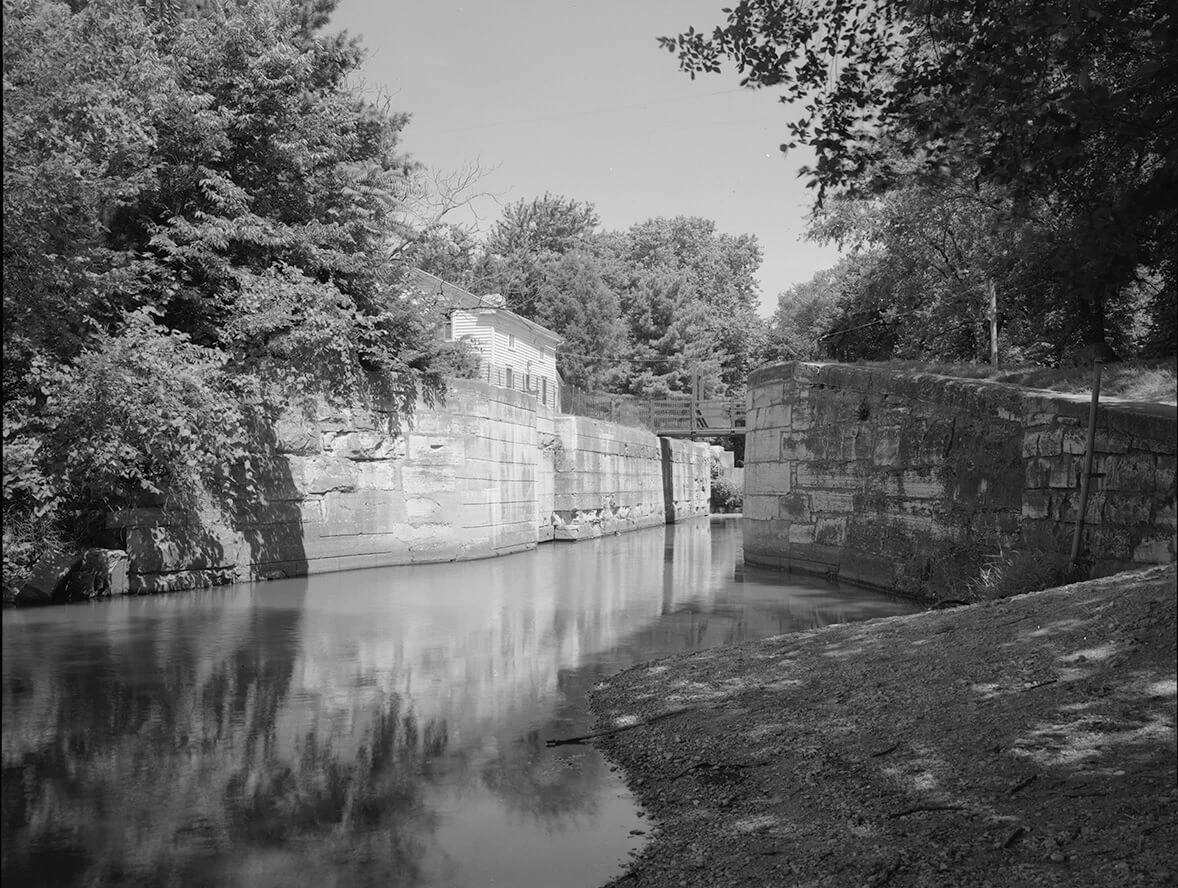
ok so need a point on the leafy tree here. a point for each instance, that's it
(575, 301)
(198, 217)
(528, 237)
(686, 286)
(669, 341)
(450, 252)
(1067, 105)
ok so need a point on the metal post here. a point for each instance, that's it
(993, 324)
(1086, 478)
(694, 403)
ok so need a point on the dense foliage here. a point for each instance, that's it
(1053, 126)
(197, 222)
(641, 310)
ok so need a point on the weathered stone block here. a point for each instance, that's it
(801, 534)
(295, 433)
(1131, 472)
(1155, 550)
(831, 501)
(1126, 509)
(831, 531)
(794, 507)
(828, 476)
(769, 478)
(1036, 504)
(801, 417)
(887, 446)
(47, 579)
(758, 507)
(363, 512)
(425, 480)
(1056, 472)
(794, 446)
(321, 474)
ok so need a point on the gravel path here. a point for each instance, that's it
(1023, 742)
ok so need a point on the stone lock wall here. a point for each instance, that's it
(910, 481)
(487, 473)
(610, 478)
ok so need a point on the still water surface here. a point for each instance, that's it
(382, 727)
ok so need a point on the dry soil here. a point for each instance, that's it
(1022, 742)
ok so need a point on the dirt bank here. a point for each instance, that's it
(1028, 741)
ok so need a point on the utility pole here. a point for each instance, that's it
(993, 313)
(697, 386)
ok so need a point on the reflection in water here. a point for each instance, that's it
(377, 727)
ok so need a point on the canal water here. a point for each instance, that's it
(383, 727)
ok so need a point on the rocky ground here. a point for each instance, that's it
(1022, 742)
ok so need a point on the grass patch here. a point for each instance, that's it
(1015, 573)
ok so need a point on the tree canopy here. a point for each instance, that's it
(1069, 107)
(199, 218)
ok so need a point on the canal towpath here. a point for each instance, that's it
(1019, 742)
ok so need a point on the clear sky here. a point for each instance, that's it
(577, 99)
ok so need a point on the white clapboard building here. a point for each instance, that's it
(514, 352)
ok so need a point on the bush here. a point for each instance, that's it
(726, 496)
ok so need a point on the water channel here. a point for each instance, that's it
(381, 727)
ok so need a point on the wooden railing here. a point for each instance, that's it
(677, 417)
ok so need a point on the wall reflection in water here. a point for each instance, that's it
(377, 727)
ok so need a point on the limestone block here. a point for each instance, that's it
(832, 501)
(427, 480)
(1131, 472)
(1126, 509)
(1048, 442)
(794, 507)
(295, 433)
(378, 475)
(769, 478)
(99, 573)
(795, 446)
(858, 442)
(321, 474)
(1155, 550)
(1109, 543)
(886, 451)
(831, 531)
(1036, 504)
(180, 548)
(1056, 472)
(801, 417)
(430, 510)
(47, 579)
(774, 416)
(363, 512)
(1164, 479)
(178, 581)
(801, 534)
(827, 476)
(434, 449)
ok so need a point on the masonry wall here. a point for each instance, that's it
(610, 478)
(473, 478)
(911, 482)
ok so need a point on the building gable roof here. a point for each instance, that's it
(455, 298)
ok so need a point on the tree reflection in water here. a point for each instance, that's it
(377, 727)
(141, 763)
